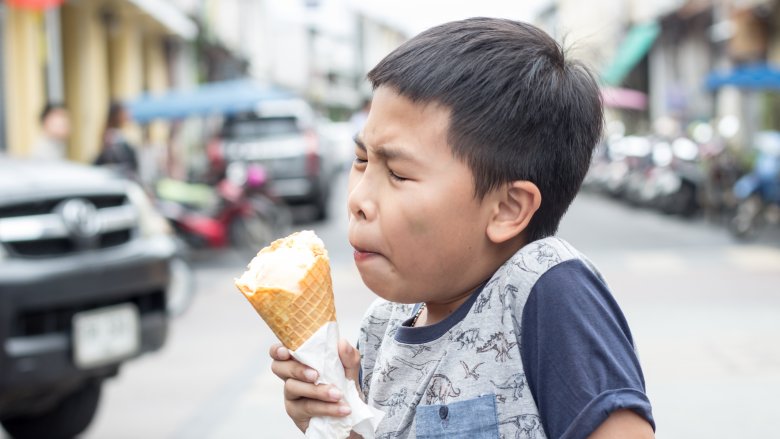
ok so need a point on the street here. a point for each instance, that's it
(704, 311)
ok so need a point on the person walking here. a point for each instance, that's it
(116, 150)
(55, 130)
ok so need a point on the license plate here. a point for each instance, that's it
(103, 336)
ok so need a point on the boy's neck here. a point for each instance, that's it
(435, 312)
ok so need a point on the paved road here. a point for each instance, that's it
(705, 313)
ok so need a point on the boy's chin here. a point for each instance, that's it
(385, 291)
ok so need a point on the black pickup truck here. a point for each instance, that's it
(85, 274)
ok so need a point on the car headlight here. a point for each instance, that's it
(150, 222)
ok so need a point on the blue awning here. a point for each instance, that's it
(760, 76)
(216, 98)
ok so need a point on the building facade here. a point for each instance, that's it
(85, 54)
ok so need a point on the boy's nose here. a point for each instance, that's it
(359, 201)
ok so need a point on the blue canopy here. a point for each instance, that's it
(223, 98)
(753, 76)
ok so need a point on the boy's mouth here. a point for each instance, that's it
(361, 254)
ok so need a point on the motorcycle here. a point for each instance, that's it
(674, 181)
(265, 202)
(758, 192)
(228, 214)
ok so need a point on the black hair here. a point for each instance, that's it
(49, 108)
(519, 110)
(115, 116)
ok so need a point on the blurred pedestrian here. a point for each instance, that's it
(116, 151)
(55, 130)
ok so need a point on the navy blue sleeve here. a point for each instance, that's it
(578, 353)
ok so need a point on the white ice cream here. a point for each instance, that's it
(285, 266)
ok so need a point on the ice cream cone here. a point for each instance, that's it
(294, 316)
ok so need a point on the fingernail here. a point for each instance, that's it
(281, 351)
(310, 374)
(335, 394)
(344, 409)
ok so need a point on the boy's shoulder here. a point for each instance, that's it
(536, 258)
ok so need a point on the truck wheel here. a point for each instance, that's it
(64, 421)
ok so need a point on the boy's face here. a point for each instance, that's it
(416, 226)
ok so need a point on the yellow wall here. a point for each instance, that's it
(24, 78)
(85, 64)
(101, 64)
(103, 60)
(156, 82)
(126, 56)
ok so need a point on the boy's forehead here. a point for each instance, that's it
(386, 95)
(397, 121)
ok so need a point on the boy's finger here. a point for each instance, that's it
(279, 352)
(294, 389)
(350, 358)
(309, 408)
(293, 369)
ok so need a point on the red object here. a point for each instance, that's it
(210, 227)
(212, 230)
(38, 5)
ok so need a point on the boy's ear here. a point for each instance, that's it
(515, 205)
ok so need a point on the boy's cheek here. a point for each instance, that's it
(418, 227)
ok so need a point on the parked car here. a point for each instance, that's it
(282, 135)
(88, 271)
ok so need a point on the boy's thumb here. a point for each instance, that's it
(350, 358)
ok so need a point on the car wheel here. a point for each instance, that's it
(65, 420)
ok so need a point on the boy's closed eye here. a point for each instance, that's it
(360, 163)
(361, 159)
(395, 176)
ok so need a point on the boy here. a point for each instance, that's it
(478, 139)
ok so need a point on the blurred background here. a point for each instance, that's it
(149, 147)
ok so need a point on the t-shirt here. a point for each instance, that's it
(540, 350)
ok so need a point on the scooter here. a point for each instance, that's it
(214, 217)
(264, 201)
(758, 193)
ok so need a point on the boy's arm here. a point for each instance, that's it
(624, 424)
(578, 356)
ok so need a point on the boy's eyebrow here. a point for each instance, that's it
(382, 151)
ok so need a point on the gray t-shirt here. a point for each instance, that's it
(470, 376)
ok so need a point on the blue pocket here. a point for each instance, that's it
(472, 419)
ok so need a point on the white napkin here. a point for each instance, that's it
(321, 353)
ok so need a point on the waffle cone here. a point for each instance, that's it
(295, 317)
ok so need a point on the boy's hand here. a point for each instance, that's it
(302, 398)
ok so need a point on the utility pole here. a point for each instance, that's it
(311, 41)
(3, 146)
